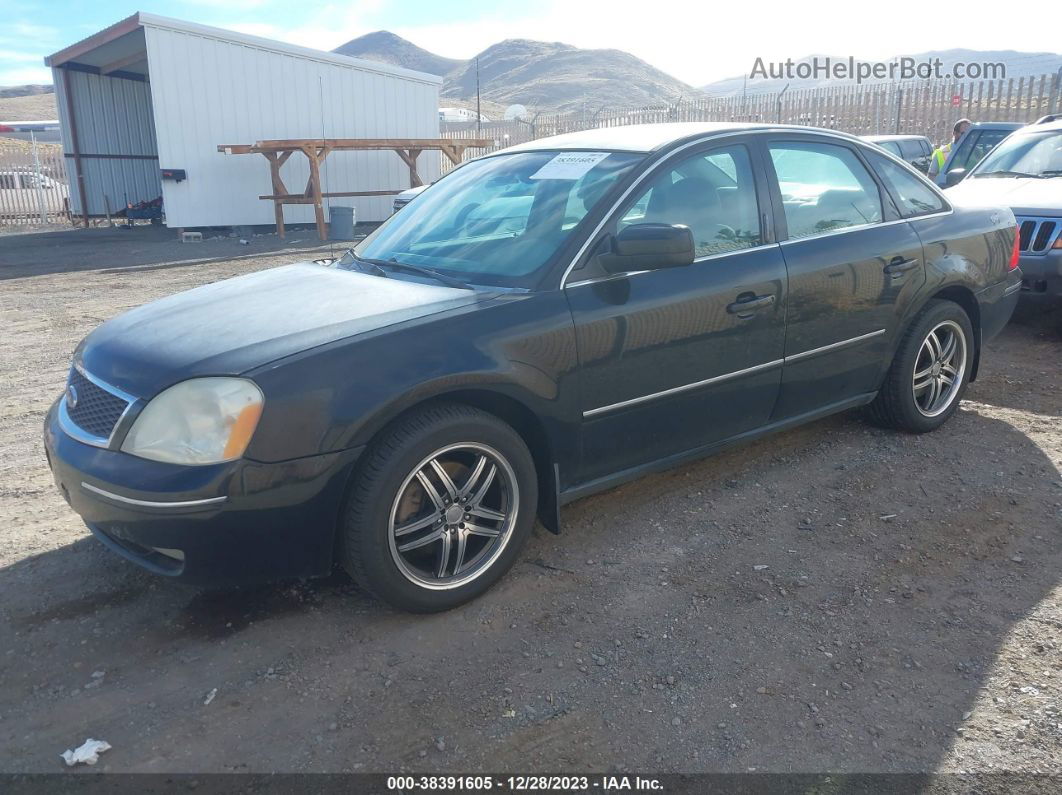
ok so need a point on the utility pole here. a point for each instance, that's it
(780, 95)
(479, 116)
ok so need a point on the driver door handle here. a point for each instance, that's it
(747, 303)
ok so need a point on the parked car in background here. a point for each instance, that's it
(542, 323)
(913, 149)
(405, 197)
(980, 139)
(1025, 173)
(26, 193)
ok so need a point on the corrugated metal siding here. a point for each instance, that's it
(114, 117)
(208, 91)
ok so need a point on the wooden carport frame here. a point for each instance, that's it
(277, 152)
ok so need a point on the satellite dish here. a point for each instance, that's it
(515, 112)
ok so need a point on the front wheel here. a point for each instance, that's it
(439, 509)
(930, 372)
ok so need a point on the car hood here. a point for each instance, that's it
(232, 326)
(1023, 196)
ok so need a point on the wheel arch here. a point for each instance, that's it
(515, 413)
(967, 301)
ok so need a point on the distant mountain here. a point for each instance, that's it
(387, 47)
(24, 91)
(29, 107)
(555, 76)
(1018, 64)
(546, 76)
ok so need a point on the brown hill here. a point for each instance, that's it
(548, 76)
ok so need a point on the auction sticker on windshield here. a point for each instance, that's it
(569, 165)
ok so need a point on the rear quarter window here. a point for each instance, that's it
(912, 194)
(910, 149)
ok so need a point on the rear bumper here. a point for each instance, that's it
(221, 524)
(1042, 273)
(997, 304)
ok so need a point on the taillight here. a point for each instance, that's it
(1015, 255)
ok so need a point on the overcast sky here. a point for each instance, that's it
(697, 42)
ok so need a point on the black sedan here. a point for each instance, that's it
(542, 323)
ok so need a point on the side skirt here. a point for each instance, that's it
(625, 476)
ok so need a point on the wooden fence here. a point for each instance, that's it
(927, 108)
(33, 187)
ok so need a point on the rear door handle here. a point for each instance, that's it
(898, 265)
(748, 303)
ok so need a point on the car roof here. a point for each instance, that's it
(996, 125)
(1051, 126)
(652, 137)
(876, 138)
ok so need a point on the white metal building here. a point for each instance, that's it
(152, 93)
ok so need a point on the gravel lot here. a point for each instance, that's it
(837, 597)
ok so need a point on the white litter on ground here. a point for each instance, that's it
(87, 753)
(210, 696)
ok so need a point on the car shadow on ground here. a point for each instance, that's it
(729, 614)
(1019, 362)
(1041, 313)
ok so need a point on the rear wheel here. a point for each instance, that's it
(930, 372)
(440, 508)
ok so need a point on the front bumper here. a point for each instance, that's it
(1042, 273)
(237, 522)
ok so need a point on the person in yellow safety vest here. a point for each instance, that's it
(940, 154)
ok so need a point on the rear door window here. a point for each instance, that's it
(915, 197)
(824, 188)
(910, 149)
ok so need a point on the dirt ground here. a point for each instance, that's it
(837, 597)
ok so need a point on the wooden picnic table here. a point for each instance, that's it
(277, 152)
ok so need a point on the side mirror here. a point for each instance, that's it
(954, 177)
(643, 247)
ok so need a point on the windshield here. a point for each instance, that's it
(499, 220)
(1031, 154)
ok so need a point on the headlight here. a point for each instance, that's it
(199, 421)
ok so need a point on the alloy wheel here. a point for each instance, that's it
(453, 515)
(939, 368)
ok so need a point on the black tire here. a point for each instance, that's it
(370, 554)
(896, 405)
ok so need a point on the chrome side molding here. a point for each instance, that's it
(736, 374)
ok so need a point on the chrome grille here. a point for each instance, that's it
(94, 409)
(1038, 234)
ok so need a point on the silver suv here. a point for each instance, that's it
(1025, 173)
